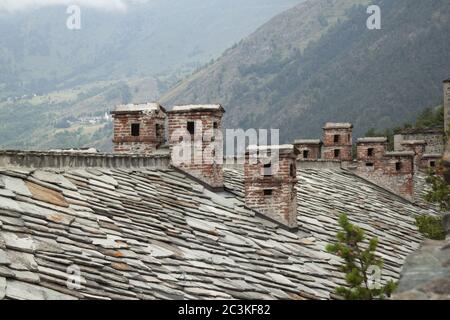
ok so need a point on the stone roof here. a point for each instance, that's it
(308, 141)
(331, 125)
(138, 107)
(372, 140)
(198, 107)
(148, 233)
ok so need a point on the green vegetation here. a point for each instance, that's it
(428, 118)
(319, 62)
(440, 191)
(431, 227)
(359, 262)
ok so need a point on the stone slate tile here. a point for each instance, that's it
(148, 234)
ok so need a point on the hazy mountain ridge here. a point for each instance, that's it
(38, 53)
(56, 84)
(318, 62)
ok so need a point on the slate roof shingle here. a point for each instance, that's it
(155, 234)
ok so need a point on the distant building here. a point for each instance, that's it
(432, 136)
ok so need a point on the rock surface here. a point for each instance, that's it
(426, 273)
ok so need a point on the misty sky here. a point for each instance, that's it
(16, 5)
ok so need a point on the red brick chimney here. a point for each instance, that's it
(337, 141)
(371, 150)
(138, 128)
(195, 140)
(270, 180)
(309, 149)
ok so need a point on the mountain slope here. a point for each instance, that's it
(39, 54)
(318, 62)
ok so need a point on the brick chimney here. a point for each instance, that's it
(138, 128)
(195, 140)
(399, 173)
(270, 180)
(418, 147)
(371, 150)
(337, 141)
(446, 104)
(308, 149)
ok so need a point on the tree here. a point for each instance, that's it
(359, 264)
(440, 191)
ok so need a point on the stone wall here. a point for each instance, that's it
(35, 159)
(274, 196)
(433, 137)
(206, 160)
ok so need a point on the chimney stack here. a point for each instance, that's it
(371, 150)
(138, 128)
(418, 147)
(195, 140)
(308, 149)
(270, 183)
(337, 141)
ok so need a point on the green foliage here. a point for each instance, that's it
(358, 264)
(431, 227)
(440, 191)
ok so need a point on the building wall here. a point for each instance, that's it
(201, 165)
(435, 141)
(281, 205)
(148, 139)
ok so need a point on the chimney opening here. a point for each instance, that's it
(369, 164)
(337, 153)
(336, 138)
(370, 152)
(191, 127)
(268, 169)
(432, 164)
(158, 130)
(215, 125)
(268, 192)
(398, 166)
(135, 129)
(305, 154)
